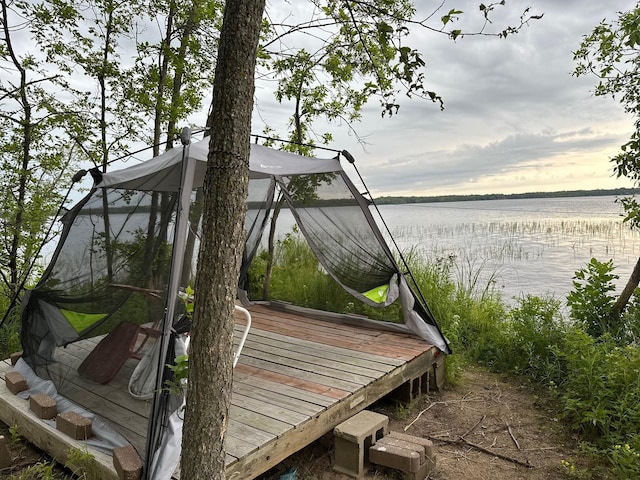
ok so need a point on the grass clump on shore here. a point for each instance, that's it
(587, 365)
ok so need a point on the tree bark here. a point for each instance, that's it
(225, 196)
(626, 294)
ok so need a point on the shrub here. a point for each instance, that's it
(591, 301)
(534, 328)
(600, 393)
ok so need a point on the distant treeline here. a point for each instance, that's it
(502, 196)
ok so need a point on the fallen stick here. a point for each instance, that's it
(463, 399)
(513, 437)
(482, 449)
(407, 427)
(472, 428)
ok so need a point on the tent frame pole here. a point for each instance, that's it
(177, 259)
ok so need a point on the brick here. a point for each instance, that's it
(414, 456)
(15, 382)
(43, 406)
(5, 454)
(74, 425)
(353, 437)
(15, 357)
(127, 463)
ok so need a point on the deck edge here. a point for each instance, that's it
(15, 411)
(279, 449)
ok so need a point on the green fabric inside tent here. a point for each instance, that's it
(378, 294)
(81, 321)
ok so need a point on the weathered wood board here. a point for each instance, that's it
(297, 378)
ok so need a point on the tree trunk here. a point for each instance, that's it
(225, 199)
(626, 294)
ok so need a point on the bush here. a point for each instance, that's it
(533, 331)
(587, 369)
(600, 393)
(591, 301)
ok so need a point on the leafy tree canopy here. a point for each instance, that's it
(611, 53)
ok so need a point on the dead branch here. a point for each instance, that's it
(463, 399)
(513, 437)
(462, 441)
(473, 428)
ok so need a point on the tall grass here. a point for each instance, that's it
(504, 241)
(593, 382)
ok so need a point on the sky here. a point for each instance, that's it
(515, 119)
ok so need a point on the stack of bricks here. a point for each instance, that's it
(353, 438)
(414, 456)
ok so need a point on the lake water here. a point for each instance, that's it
(523, 246)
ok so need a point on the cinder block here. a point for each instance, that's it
(425, 443)
(5, 454)
(412, 389)
(401, 457)
(43, 406)
(353, 438)
(439, 375)
(74, 425)
(15, 357)
(15, 382)
(414, 456)
(127, 463)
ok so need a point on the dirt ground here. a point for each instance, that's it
(482, 428)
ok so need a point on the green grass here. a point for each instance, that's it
(592, 381)
(591, 375)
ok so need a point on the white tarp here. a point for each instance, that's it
(162, 173)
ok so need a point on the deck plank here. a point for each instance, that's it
(279, 367)
(297, 378)
(253, 380)
(327, 359)
(349, 356)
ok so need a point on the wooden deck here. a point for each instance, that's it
(297, 378)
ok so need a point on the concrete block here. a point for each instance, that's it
(15, 382)
(396, 456)
(353, 438)
(425, 443)
(5, 454)
(43, 406)
(127, 463)
(15, 357)
(412, 389)
(439, 375)
(74, 425)
(414, 456)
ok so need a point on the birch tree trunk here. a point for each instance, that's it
(225, 197)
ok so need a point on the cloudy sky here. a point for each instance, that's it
(515, 118)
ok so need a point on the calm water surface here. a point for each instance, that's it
(524, 246)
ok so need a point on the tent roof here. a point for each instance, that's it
(162, 173)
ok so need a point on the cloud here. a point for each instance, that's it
(515, 117)
(526, 157)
